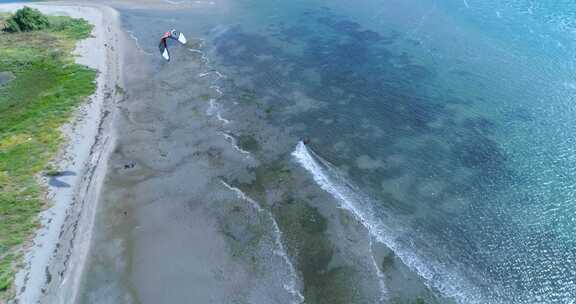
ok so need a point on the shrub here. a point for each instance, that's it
(26, 20)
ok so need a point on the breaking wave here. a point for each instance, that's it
(383, 229)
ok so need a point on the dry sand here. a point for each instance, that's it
(54, 261)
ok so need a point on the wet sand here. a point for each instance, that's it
(165, 221)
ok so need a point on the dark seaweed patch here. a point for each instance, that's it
(247, 96)
(351, 29)
(242, 234)
(479, 125)
(272, 175)
(239, 48)
(388, 261)
(248, 143)
(293, 33)
(480, 153)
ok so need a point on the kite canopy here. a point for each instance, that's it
(173, 34)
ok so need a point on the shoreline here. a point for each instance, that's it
(54, 258)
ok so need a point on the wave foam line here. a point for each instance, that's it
(292, 285)
(174, 2)
(203, 56)
(211, 107)
(217, 89)
(222, 119)
(232, 140)
(202, 75)
(379, 274)
(331, 181)
(243, 196)
(213, 110)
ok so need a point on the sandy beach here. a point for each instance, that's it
(54, 259)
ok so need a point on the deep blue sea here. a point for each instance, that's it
(446, 128)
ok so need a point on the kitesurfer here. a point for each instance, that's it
(173, 34)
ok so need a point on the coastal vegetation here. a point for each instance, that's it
(43, 87)
(26, 20)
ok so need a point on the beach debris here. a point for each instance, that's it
(172, 34)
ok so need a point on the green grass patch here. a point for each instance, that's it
(46, 86)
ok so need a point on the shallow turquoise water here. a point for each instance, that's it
(454, 118)
(448, 126)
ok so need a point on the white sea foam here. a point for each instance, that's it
(379, 274)
(435, 274)
(214, 110)
(222, 119)
(234, 143)
(203, 56)
(292, 286)
(217, 89)
(205, 2)
(243, 196)
(174, 2)
(202, 75)
(211, 107)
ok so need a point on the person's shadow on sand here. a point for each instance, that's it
(54, 182)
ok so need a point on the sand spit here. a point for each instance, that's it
(54, 261)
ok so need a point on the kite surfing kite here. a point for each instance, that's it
(173, 34)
